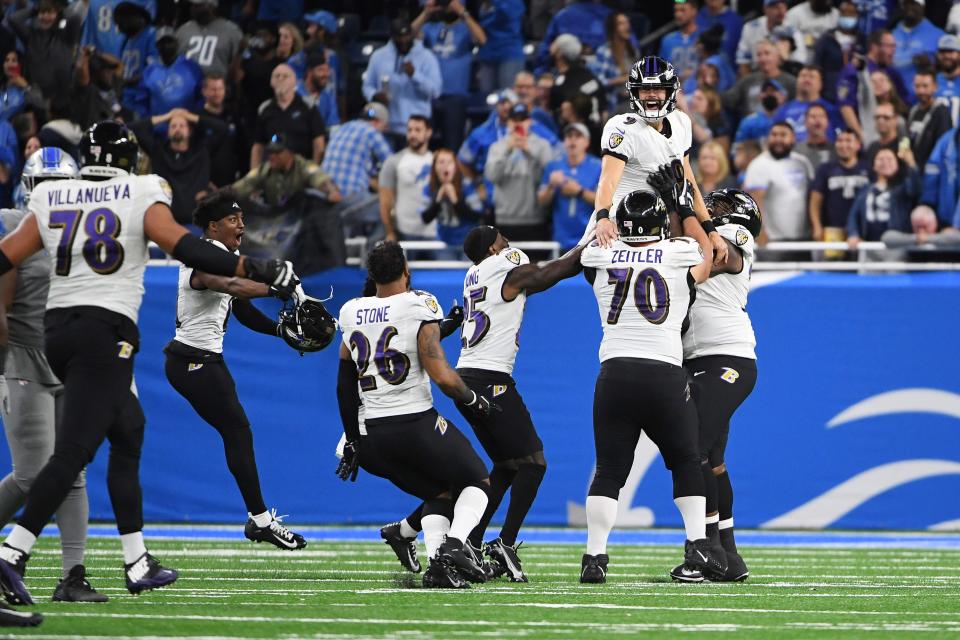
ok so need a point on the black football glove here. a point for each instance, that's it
(481, 407)
(664, 182)
(275, 272)
(350, 462)
(452, 321)
(285, 292)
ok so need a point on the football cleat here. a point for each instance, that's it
(452, 553)
(710, 560)
(495, 568)
(476, 555)
(147, 573)
(593, 569)
(13, 565)
(13, 618)
(506, 556)
(686, 573)
(736, 568)
(440, 575)
(404, 548)
(76, 588)
(274, 533)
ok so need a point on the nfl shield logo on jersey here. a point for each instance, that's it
(441, 425)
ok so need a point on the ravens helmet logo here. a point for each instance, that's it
(432, 305)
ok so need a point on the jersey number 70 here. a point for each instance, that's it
(101, 250)
(650, 294)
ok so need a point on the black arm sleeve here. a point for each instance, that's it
(195, 253)
(464, 212)
(448, 326)
(252, 318)
(348, 397)
(143, 129)
(430, 213)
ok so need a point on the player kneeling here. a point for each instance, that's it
(391, 350)
(642, 385)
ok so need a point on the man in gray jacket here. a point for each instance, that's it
(514, 165)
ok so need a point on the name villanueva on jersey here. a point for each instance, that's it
(98, 194)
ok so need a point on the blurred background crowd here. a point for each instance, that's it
(417, 119)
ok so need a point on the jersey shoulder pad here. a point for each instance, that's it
(739, 236)
(595, 256)
(157, 189)
(425, 306)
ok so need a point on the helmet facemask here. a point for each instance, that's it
(652, 73)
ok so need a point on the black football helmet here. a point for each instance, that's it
(642, 217)
(108, 150)
(307, 326)
(652, 72)
(733, 206)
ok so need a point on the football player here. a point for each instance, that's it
(643, 285)
(390, 352)
(634, 145)
(29, 404)
(195, 365)
(95, 230)
(718, 351)
(495, 292)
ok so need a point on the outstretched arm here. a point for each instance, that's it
(534, 278)
(236, 287)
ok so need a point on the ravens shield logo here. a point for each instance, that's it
(615, 139)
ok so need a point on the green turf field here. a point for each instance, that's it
(356, 590)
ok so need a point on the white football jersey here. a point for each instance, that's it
(644, 149)
(93, 231)
(201, 313)
(719, 324)
(490, 335)
(381, 334)
(643, 295)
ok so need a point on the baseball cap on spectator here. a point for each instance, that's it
(578, 127)
(278, 142)
(376, 111)
(323, 19)
(948, 42)
(519, 111)
(400, 28)
(568, 46)
(774, 84)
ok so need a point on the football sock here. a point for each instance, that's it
(133, 546)
(262, 519)
(523, 492)
(435, 528)
(21, 539)
(601, 516)
(500, 479)
(693, 511)
(726, 536)
(407, 531)
(413, 521)
(713, 531)
(467, 511)
(242, 462)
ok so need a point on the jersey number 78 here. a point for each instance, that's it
(101, 250)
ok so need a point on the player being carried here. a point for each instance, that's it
(635, 145)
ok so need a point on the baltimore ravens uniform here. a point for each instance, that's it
(407, 441)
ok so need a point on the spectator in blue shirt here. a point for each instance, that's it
(881, 46)
(717, 12)
(321, 28)
(501, 58)
(15, 91)
(709, 52)
(941, 187)
(915, 36)
(317, 88)
(568, 186)
(948, 65)
(9, 162)
(451, 33)
(584, 20)
(809, 86)
(887, 203)
(139, 50)
(757, 125)
(173, 81)
(405, 75)
(680, 46)
(874, 14)
(452, 201)
(100, 30)
(614, 59)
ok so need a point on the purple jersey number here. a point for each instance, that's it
(392, 365)
(481, 321)
(101, 250)
(650, 294)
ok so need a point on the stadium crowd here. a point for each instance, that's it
(418, 119)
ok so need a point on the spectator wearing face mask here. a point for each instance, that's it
(48, 44)
(404, 75)
(173, 82)
(212, 42)
(836, 48)
(778, 179)
(757, 125)
(138, 51)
